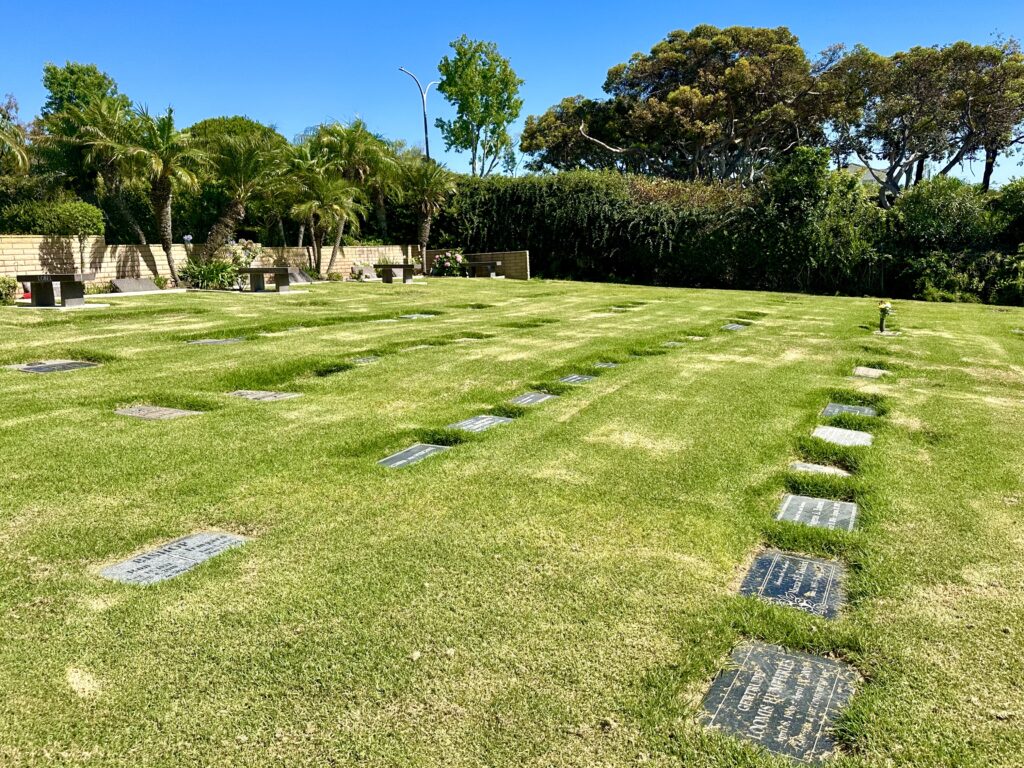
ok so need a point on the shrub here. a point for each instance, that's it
(8, 290)
(448, 265)
(73, 218)
(1008, 205)
(216, 274)
(160, 282)
(942, 214)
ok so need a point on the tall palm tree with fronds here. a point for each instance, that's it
(12, 144)
(426, 186)
(243, 166)
(168, 157)
(328, 201)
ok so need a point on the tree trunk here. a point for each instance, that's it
(284, 242)
(919, 171)
(223, 229)
(990, 166)
(302, 234)
(380, 204)
(337, 245)
(424, 237)
(122, 209)
(161, 195)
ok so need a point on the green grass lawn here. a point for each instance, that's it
(558, 591)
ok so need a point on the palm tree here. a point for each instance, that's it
(12, 143)
(167, 157)
(243, 165)
(328, 201)
(427, 186)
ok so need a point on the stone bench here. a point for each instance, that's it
(257, 278)
(473, 268)
(72, 288)
(387, 271)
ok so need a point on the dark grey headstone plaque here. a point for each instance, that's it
(365, 360)
(172, 559)
(417, 316)
(818, 513)
(864, 372)
(133, 285)
(154, 412)
(786, 702)
(214, 342)
(479, 423)
(806, 583)
(734, 327)
(532, 398)
(53, 366)
(818, 469)
(606, 365)
(834, 409)
(576, 378)
(263, 396)
(411, 455)
(851, 438)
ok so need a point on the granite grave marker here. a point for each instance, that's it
(53, 366)
(834, 409)
(850, 438)
(864, 372)
(263, 396)
(805, 583)
(411, 455)
(532, 398)
(818, 469)
(154, 412)
(576, 378)
(818, 513)
(172, 559)
(479, 423)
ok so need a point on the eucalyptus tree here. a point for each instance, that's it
(167, 157)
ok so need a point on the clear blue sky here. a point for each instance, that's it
(297, 64)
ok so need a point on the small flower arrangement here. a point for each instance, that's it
(885, 309)
(449, 264)
(243, 252)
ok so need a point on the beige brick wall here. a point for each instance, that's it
(515, 265)
(27, 254)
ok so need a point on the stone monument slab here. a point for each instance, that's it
(172, 559)
(365, 360)
(786, 702)
(479, 423)
(864, 372)
(606, 365)
(52, 366)
(805, 583)
(850, 438)
(834, 409)
(576, 378)
(818, 513)
(133, 285)
(154, 412)
(818, 469)
(411, 455)
(417, 316)
(263, 396)
(214, 342)
(734, 327)
(532, 398)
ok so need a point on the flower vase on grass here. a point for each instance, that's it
(884, 310)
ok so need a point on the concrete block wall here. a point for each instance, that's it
(347, 256)
(515, 265)
(27, 254)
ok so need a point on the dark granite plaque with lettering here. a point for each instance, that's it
(532, 398)
(172, 559)
(212, 342)
(606, 365)
(805, 583)
(818, 469)
(154, 412)
(576, 378)
(818, 513)
(734, 327)
(479, 423)
(262, 396)
(834, 409)
(786, 702)
(847, 437)
(411, 455)
(53, 366)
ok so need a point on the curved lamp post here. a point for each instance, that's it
(423, 96)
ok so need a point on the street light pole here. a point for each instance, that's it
(423, 96)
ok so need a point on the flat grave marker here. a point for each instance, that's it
(417, 316)
(818, 469)
(695, 338)
(480, 423)
(673, 344)
(214, 342)
(172, 559)
(834, 409)
(365, 360)
(52, 366)
(411, 455)
(864, 372)
(576, 378)
(850, 438)
(734, 327)
(417, 347)
(806, 583)
(386, 320)
(818, 513)
(606, 365)
(154, 412)
(786, 702)
(263, 396)
(532, 398)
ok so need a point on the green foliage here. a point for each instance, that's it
(216, 274)
(484, 90)
(52, 218)
(1008, 205)
(942, 214)
(8, 290)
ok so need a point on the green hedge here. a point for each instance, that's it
(51, 218)
(8, 290)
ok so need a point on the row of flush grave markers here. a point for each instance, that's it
(785, 701)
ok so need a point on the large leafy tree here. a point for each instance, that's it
(484, 90)
(707, 103)
(166, 156)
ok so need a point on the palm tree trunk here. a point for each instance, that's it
(424, 233)
(223, 229)
(337, 245)
(302, 234)
(161, 195)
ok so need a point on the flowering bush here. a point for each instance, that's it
(449, 264)
(243, 253)
(8, 290)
